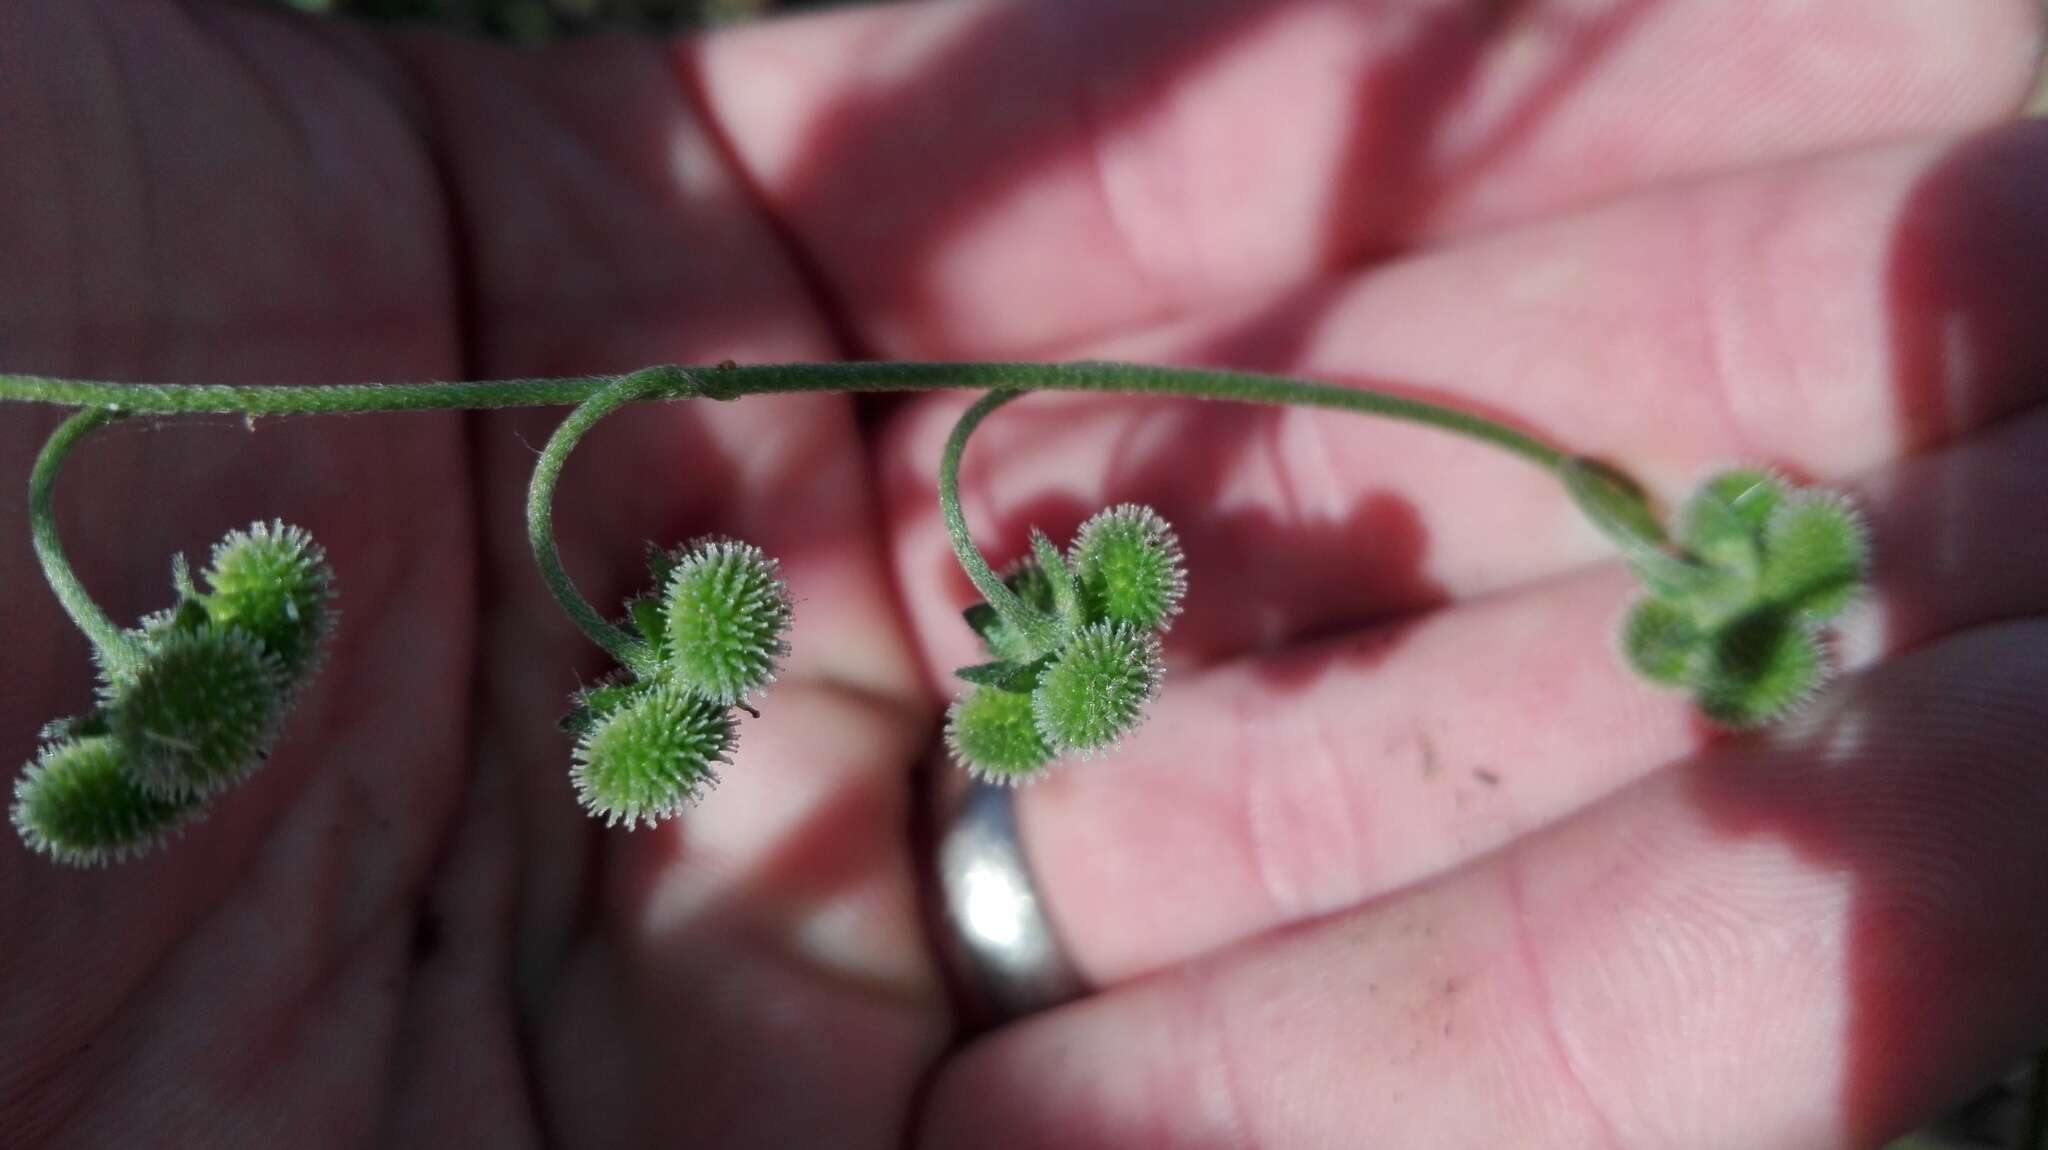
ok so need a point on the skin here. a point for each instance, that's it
(1402, 850)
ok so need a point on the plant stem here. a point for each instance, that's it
(630, 652)
(115, 649)
(772, 379)
(1040, 630)
(595, 397)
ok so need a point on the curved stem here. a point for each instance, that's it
(1040, 630)
(770, 379)
(540, 515)
(598, 395)
(115, 649)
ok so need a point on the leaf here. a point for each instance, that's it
(1004, 675)
(1662, 643)
(999, 637)
(593, 704)
(652, 622)
(1816, 555)
(1066, 597)
(660, 564)
(1031, 584)
(181, 578)
(75, 727)
(1724, 522)
(981, 618)
(188, 616)
(1615, 503)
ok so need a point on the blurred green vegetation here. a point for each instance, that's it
(538, 21)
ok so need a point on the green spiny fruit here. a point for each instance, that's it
(993, 734)
(1097, 688)
(1129, 565)
(78, 804)
(1760, 669)
(1816, 555)
(273, 582)
(1663, 643)
(197, 714)
(652, 756)
(727, 609)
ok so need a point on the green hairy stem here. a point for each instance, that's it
(540, 505)
(770, 379)
(594, 397)
(115, 649)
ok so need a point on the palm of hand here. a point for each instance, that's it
(405, 928)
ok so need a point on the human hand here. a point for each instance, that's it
(405, 929)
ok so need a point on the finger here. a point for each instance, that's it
(1836, 927)
(1273, 789)
(1821, 318)
(979, 180)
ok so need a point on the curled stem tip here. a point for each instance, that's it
(115, 649)
(1038, 629)
(540, 499)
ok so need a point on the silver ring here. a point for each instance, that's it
(1003, 955)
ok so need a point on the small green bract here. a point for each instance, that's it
(1030, 583)
(993, 733)
(198, 713)
(726, 609)
(1096, 691)
(273, 583)
(647, 759)
(78, 804)
(1766, 568)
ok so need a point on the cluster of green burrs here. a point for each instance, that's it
(1739, 603)
(189, 702)
(649, 740)
(1074, 670)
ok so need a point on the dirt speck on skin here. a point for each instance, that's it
(1485, 776)
(1430, 767)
